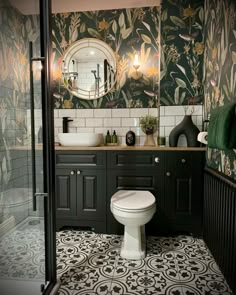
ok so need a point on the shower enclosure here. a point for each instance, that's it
(27, 234)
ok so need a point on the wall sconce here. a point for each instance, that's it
(136, 63)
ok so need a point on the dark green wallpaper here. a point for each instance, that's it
(182, 52)
(138, 29)
(125, 31)
(220, 71)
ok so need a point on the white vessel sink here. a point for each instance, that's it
(80, 139)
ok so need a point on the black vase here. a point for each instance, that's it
(187, 128)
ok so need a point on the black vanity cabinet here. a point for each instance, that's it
(175, 179)
(86, 181)
(81, 189)
(135, 170)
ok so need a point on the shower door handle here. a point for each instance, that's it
(31, 60)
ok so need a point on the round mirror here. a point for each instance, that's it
(89, 68)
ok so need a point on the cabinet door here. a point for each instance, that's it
(66, 193)
(91, 194)
(183, 191)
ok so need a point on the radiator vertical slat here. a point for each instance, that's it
(220, 222)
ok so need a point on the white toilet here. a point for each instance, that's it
(133, 209)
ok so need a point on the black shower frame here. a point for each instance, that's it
(48, 145)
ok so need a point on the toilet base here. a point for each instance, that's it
(134, 243)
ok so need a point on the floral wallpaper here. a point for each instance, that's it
(182, 52)
(16, 31)
(126, 31)
(220, 71)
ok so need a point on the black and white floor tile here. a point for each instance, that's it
(22, 252)
(90, 264)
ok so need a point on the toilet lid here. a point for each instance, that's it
(133, 200)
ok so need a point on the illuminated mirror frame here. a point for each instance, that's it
(109, 67)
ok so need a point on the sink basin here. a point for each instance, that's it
(80, 139)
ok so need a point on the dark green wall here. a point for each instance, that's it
(220, 71)
(129, 30)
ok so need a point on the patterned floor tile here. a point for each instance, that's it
(86, 279)
(207, 284)
(180, 265)
(64, 291)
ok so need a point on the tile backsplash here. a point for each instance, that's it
(123, 120)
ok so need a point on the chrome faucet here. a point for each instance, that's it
(65, 122)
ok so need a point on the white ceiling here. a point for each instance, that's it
(30, 6)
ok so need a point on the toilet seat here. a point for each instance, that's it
(133, 201)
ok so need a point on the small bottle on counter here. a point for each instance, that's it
(114, 137)
(108, 137)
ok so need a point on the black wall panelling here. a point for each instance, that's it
(220, 222)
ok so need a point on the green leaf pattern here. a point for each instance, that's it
(220, 71)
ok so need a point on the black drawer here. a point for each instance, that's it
(180, 162)
(135, 159)
(81, 159)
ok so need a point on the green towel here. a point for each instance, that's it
(222, 127)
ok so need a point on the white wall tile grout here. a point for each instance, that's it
(123, 120)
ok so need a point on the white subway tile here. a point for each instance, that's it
(198, 110)
(129, 122)
(174, 110)
(56, 113)
(152, 112)
(112, 122)
(178, 119)
(120, 131)
(138, 112)
(77, 123)
(168, 130)
(142, 140)
(162, 131)
(102, 113)
(120, 113)
(72, 129)
(194, 119)
(85, 130)
(182, 141)
(84, 113)
(91, 122)
(121, 140)
(101, 130)
(199, 121)
(58, 122)
(162, 110)
(137, 131)
(167, 121)
(66, 113)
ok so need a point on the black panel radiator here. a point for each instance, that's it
(220, 222)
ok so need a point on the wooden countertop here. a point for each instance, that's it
(127, 148)
(113, 148)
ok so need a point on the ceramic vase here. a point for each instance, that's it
(187, 128)
(149, 140)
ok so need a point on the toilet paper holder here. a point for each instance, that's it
(202, 137)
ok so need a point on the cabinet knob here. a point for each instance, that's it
(183, 160)
(157, 160)
(168, 173)
(78, 172)
(72, 172)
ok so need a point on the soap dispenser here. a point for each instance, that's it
(108, 137)
(114, 137)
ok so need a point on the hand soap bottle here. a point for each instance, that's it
(114, 137)
(108, 137)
